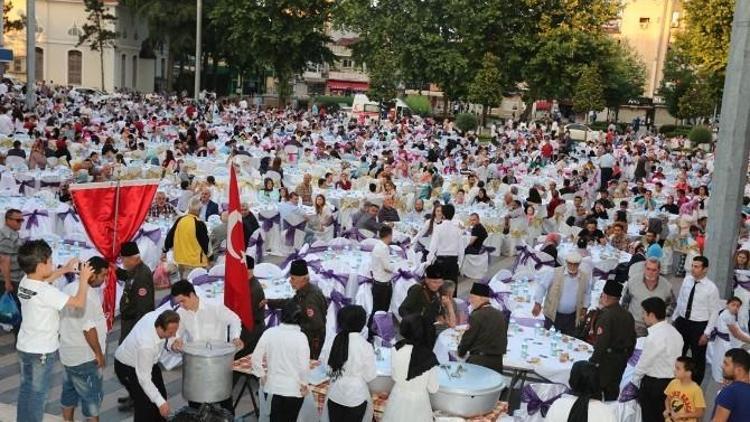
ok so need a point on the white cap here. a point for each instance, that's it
(574, 258)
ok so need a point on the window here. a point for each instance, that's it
(644, 22)
(346, 63)
(123, 69)
(75, 67)
(19, 64)
(675, 19)
(135, 72)
(39, 71)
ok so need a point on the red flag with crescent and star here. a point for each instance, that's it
(236, 285)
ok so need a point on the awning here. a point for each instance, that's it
(335, 85)
(6, 55)
(543, 105)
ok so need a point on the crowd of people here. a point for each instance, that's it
(634, 192)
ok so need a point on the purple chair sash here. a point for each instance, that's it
(71, 212)
(33, 218)
(291, 230)
(635, 357)
(266, 223)
(403, 274)
(602, 275)
(355, 234)
(154, 235)
(534, 403)
(23, 184)
(528, 322)
(500, 297)
(630, 392)
(49, 184)
(383, 324)
(364, 280)
(293, 257)
(716, 333)
(258, 243)
(330, 275)
(274, 316)
(523, 257)
(205, 278)
(338, 300)
(745, 284)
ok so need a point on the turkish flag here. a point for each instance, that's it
(236, 285)
(111, 213)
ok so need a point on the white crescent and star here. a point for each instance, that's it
(234, 218)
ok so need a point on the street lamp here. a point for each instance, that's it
(198, 18)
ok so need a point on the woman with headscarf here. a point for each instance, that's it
(584, 403)
(414, 371)
(351, 363)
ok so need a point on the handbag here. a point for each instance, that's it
(9, 312)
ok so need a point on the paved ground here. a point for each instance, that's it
(9, 373)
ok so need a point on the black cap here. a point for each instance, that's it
(481, 289)
(433, 271)
(298, 268)
(612, 288)
(129, 249)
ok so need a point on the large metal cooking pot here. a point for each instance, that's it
(207, 371)
(467, 390)
(383, 383)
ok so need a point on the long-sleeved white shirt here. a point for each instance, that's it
(380, 263)
(661, 347)
(209, 322)
(706, 302)
(447, 240)
(141, 350)
(286, 354)
(351, 388)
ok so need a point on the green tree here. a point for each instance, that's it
(98, 31)
(487, 87)
(697, 102)
(625, 77)
(589, 93)
(286, 36)
(383, 72)
(9, 24)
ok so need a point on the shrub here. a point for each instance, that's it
(700, 135)
(419, 104)
(466, 122)
(333, 102)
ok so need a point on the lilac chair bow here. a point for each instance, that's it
(154, 235)
(23, 184)
(523, 257)
(291, 230)
(500, 298)
(355, 234)
(268, 222)
(338, 300)
(49, 184)
(69, 212)
(403, 244)
(274, 316)
(745, 284)
(635, 357)
(383, 324)
(361, 279)
(716, 333)
(258, 243)
(534, 403)
(630, 392)
(206, 278)
(403, 274)
(601, 274)
(33, 218)
(330, 275)
(293, 257)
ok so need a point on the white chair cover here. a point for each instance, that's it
(268, 271)
(217, 270)
(196, 272)
(272, 237)
(545, 392)
(299, 235)
(475, 266)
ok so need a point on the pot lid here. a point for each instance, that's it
(209, 349)
(469, 379)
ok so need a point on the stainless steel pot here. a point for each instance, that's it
(381, 384)
(467, 390)
(207, 371)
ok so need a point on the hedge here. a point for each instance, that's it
(332, 102)
(419, 104)
(674, 128)
(700, 135)
(466, 122)
(602, 126)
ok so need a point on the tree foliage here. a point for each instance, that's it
(98, 32)
(589, 92)
(487, 87)
(9, 24)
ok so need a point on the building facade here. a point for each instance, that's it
(343, 77)
(133, 63)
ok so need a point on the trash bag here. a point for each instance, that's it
(206, 413)
(161, 276)
(9, 312)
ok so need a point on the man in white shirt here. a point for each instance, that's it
(282, 362)
(83, 341)
(38, 336)
(203, 320)
(137, 359)
(698, 306)
(381, 270)
(447, 246)
(655, 368)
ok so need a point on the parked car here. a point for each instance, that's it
(579, 132)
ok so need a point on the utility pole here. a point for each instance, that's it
(30, 54)
(2, 33)
(198, 19)
(731, 156)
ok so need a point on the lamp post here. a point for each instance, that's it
(30, 54)
(198, 19)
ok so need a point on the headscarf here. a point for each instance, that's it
(584, 383)
(351, 319)
(415, 330)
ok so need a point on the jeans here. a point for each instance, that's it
(83, 382)
(36, 374)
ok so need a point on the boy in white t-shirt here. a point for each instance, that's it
(38, 337)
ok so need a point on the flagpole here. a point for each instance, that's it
(117, 212)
